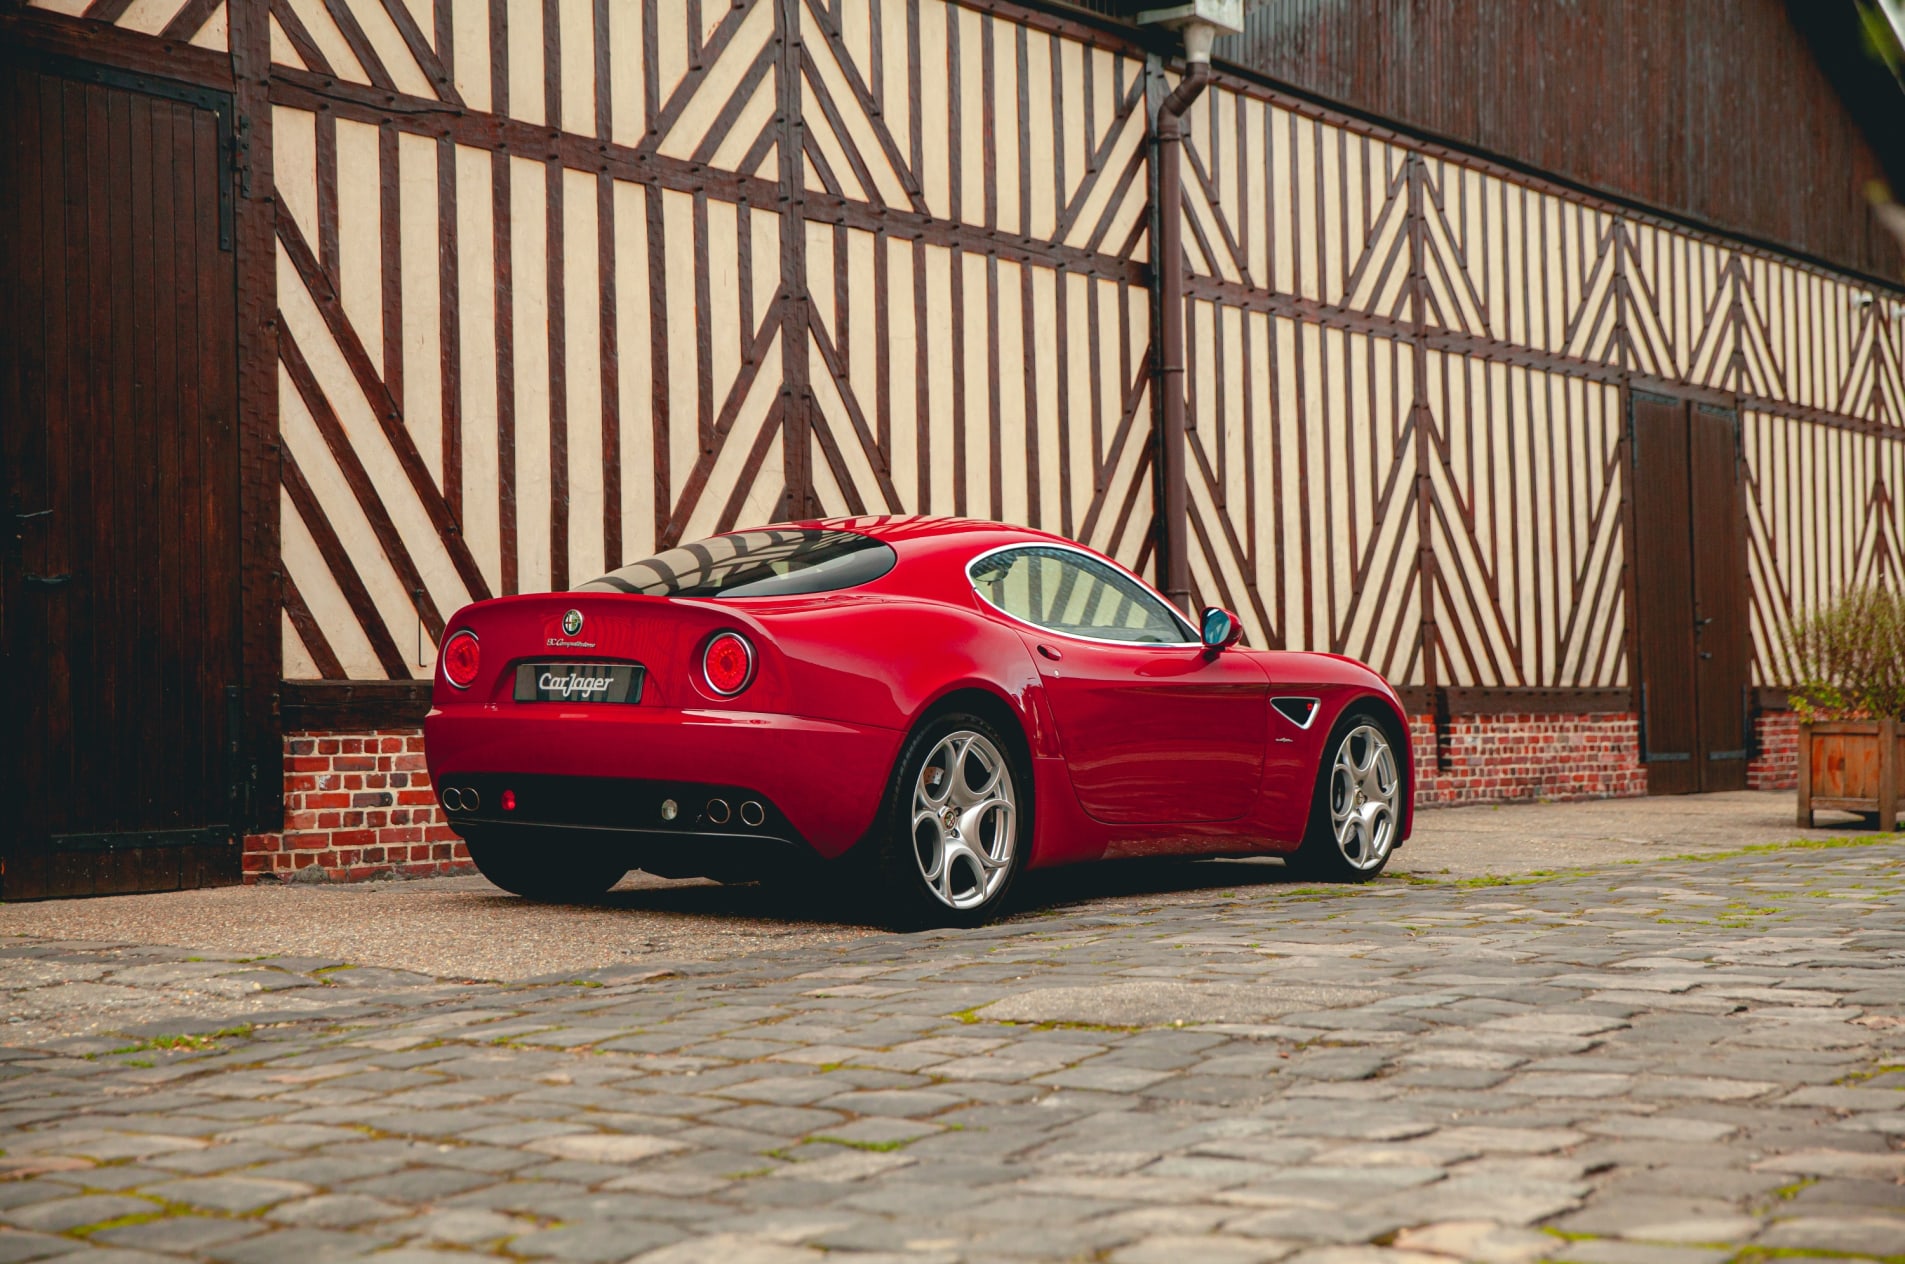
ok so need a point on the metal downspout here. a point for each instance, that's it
(1169, 130)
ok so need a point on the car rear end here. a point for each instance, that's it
(676, 729)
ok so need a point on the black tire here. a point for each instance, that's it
(538, 868)
(907, 899)
(1321, 858)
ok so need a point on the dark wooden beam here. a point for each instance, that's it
(1420, 700)
(352, 706)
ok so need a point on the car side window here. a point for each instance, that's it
(1075, 594)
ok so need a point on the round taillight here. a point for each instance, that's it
(728, 664)
(461, 656)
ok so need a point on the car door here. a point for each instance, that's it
(1155, 729)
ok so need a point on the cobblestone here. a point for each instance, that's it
(1684, 1063)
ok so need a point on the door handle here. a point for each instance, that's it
(1050, 653)
(1701, 623)
(46, 581)
(21, 519)
(1706, 654)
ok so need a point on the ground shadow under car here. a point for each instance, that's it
(814, 900)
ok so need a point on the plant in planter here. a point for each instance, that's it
(1848, 662)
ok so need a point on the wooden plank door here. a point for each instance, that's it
(1722, 644)
(1691, 631)
(1663, 584)
(119, 616)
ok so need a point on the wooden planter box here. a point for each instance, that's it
(1853, 766)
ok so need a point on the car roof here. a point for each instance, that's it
(927, 530)
(933, 551)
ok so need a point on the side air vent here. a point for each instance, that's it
(1298, 711)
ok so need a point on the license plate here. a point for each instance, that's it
(578, 682)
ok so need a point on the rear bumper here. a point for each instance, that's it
(819, 781)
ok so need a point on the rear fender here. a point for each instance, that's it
(887, 662)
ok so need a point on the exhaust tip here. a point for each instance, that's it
(718, 811)
(752, 813)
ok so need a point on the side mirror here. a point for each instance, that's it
(1220, 629)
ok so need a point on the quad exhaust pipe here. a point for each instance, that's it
(752, 814)
(718, 811)
(460, 799)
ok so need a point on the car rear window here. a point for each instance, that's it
(775, 563)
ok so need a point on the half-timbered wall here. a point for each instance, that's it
(1823, 514)
(560, 281)
(1408, 431)
(200, 23)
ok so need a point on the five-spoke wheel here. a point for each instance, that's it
(1357, 811)
(959, 820)
(1364, 791)
(965, 819)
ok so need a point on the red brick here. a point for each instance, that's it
(1776, 766)
(1527, 757)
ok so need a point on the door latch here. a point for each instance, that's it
(46, 581)
(21, 519)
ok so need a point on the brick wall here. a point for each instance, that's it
(356, 805)
(1777, 767)
(1505, 758)
(359, 805)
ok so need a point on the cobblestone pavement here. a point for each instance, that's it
(465, 926)
(1686, 1062)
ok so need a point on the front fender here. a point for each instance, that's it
(1294, 758)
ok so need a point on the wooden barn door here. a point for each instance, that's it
(1691, 628)
(119, 614)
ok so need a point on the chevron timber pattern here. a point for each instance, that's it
(674, 268)
(1409, 431)
(560, 282)
(199, 23)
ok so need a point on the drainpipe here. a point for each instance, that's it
(1169, 130)
(1198, 22)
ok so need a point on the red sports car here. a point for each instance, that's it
(940, 703)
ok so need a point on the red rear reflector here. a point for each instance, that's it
(509, 800)
(728, 664)
(462, 656)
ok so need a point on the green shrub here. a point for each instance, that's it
(1848, 658)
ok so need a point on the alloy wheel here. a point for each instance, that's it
(965, 820)
(1364, 794)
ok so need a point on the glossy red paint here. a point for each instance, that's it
(1156, 734)
(1135, 749)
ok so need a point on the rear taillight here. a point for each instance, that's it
(461, 658)
(728, 664)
